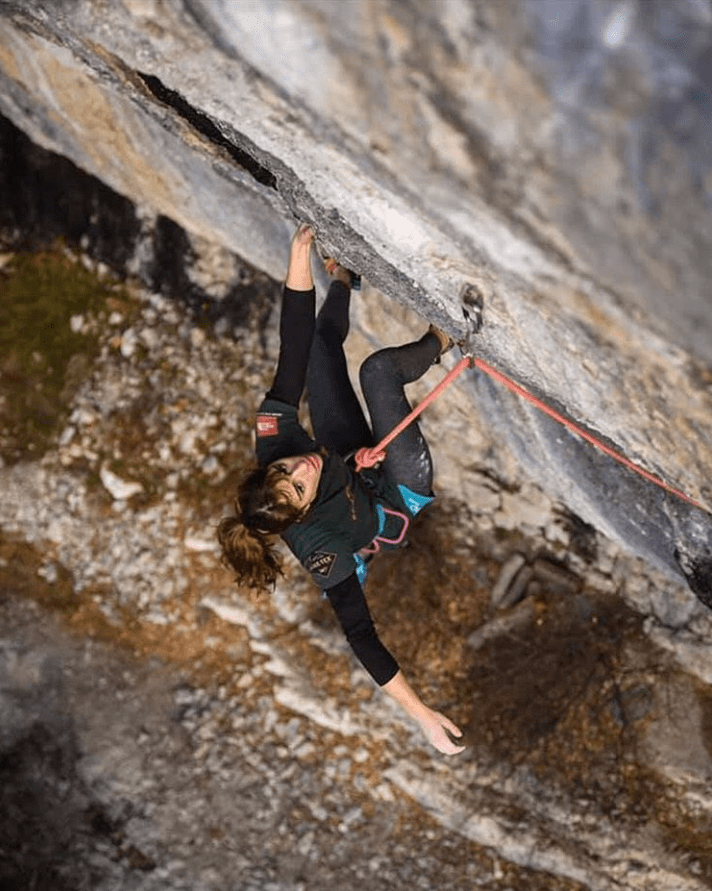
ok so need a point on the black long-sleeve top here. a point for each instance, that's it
(342, 518)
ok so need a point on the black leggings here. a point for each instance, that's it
(336, 414)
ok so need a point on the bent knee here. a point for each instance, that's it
(375, 368)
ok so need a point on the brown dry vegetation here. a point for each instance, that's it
(568, 695)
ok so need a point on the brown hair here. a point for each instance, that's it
(247, 537)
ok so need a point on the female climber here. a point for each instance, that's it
(307, 490)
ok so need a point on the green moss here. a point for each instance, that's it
(42, 361)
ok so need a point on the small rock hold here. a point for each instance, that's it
(210, 465)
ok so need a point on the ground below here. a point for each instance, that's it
(162, 729)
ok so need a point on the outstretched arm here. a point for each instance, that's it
(296, 325)
(351, 608)
(434, 724)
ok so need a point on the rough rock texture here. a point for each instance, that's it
(548, 160)
(160, 730)
(543, 163)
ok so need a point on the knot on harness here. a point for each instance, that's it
(368, 457)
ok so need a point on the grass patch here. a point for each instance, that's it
(42, 360)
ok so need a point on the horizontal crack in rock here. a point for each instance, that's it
(208, 128)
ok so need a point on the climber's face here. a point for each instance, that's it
(296, 479)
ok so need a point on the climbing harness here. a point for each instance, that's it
(368, 457)
(380, 539)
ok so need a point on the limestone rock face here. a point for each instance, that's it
(543, 164)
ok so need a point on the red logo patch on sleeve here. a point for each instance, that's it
(267, 425)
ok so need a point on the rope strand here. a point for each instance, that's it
(368, 457)
(566, 422)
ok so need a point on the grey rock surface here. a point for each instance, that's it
(162, 730)
(550, 158)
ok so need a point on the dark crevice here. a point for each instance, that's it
(46, 196)
(697, 569)
(202, 123)
(249, 299)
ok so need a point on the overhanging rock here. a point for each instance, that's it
(555, 165)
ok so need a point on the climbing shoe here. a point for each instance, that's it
(331, 265)
(446, 342)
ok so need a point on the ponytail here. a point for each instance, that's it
(247, 537)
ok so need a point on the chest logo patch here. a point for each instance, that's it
(267, 425)
(320, 563)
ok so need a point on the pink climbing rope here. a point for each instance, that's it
(368, 457)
